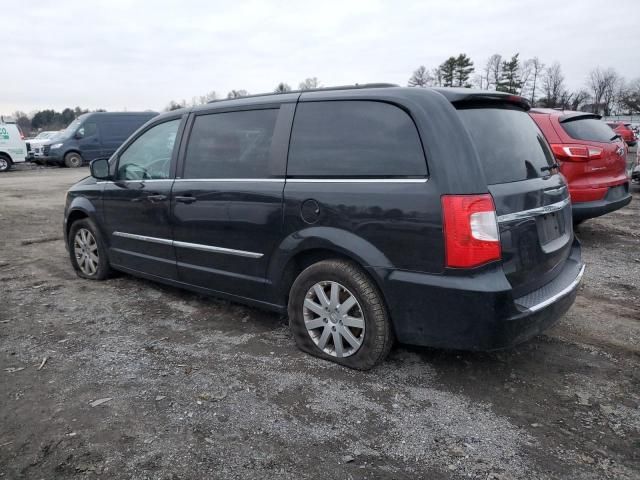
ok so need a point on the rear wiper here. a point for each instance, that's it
(548, 168)
(614, 137)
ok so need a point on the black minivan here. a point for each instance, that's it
(90, 136)
(432, 216)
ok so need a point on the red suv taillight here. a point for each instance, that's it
(470, 230)
(576, 153)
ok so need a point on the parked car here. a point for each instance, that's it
(34, 145)
(323, 205)
(635, 170)
(625, 131)
(591, 157)
(12, 146)
(91, 136)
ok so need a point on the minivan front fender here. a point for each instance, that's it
(77, 208)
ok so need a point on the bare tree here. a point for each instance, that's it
(555, 92)
(578, 99)
(309, 84)
(282, 88)
(537, 68)
(420, 78)
(524, 74)
(209, 97)
(173, 105)
(436, 74)
(629, 100)
(605, 88)
(491, 73)
(237, 94)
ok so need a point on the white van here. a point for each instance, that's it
(12, 146)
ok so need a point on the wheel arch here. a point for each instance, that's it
(304, 248)
(6, 154)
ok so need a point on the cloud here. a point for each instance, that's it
(140, 55)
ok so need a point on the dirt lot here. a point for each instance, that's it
(201, 388)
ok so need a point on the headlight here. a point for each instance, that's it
(56, 145)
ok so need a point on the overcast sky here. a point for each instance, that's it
(140, 55)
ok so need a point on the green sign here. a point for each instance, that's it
(4, 135)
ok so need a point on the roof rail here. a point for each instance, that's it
(321, 89)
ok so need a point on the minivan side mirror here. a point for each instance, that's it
(100, 169)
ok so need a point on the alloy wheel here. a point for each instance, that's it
(334, 319)
(85, 249)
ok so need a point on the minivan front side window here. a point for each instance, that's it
(149, 156)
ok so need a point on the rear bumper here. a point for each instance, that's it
(613, 200)
(476, 312)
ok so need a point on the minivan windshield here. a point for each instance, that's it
(510, 145)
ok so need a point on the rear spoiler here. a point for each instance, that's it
(469, 96)
(569, 117)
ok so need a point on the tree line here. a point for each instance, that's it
(282, 87)
(605, 91)
(48, 119)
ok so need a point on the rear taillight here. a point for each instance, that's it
(576, 153)
(470, 230)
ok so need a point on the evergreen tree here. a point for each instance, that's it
(463, 70)
(510, 81)
(448, 71)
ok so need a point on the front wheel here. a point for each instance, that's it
(87, 250)
(73, 160)
(5, 164)
(337, 313)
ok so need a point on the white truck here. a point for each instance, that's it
(13, 149)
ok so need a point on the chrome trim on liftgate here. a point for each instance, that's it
(554, 207)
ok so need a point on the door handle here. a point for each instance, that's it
(156, 198)
(185, 198)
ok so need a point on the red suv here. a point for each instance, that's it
(624, 130)
(591, 157)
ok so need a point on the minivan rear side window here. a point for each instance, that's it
(231, 145)
(589, 129)
(509, 143)
(354, 139)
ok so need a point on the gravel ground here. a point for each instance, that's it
(202, 388)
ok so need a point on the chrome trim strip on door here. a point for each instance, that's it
(279, 180)
(554, 207)
(147, 180)
(357, 180)
(565, 291)
(144, 238)
(209, 248)
(195, 246)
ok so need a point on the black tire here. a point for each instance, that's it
(103, 269)
(378, 333)
(73, 160)
(5, 163)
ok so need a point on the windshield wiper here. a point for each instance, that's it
(548, 168)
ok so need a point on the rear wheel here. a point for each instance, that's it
(87, 250)
(5, 163)
(73, 160)
(337, 313)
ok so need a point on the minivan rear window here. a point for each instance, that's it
(354, 138)
(589, 129)
(510, 145)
